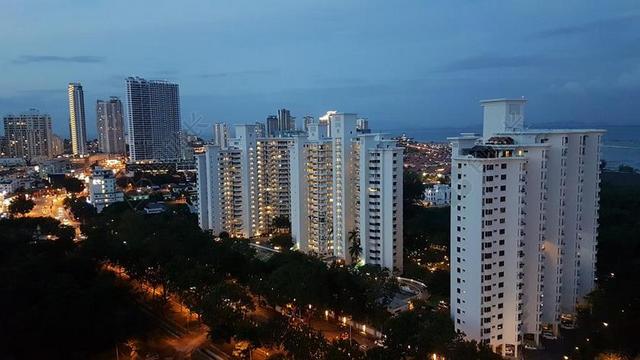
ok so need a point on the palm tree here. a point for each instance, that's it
(354, 249)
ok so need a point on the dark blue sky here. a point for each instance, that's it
(403, 64)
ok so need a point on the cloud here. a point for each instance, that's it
(483, 62)
(606, 25)
(236, 73)
(83, 59)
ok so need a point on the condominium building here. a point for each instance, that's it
(281, 124)
(110, 125)
(102, 189)
(153, 110)
(346, 194)
(57, 145)
(273, 180)
(77, 120)
(524, 209)
(28, 136)
(312, 192)
(343, 195)
(220, 134)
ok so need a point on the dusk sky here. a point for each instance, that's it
(408, 64)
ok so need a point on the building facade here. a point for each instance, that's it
(28, 136)
(110, 125)
(77, 120)
(153, 110)
(438, 195)
(524, 209)
(342, 195)
(220, 134)
(102, 189)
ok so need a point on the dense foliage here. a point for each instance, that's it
(224, 282)
(57, 304)
(20, 205)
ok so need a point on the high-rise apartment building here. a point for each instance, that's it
(154, 120)
(272, 125)
(102, 189)
(524, 210)
(273, 181)
(280, 125)
(220, 134)
(57, 145)
(339, 193)
(306, 121)
(77, 120)
(28, 136)
(346, 194)
(110, 125)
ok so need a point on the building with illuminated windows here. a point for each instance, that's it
(102, 189)
(28, 136)
(110, 126)
(77, 120)
(342, 194)
(524, 220)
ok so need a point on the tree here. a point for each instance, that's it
(412, 189)
(72, 184)
(354, 249)
(284, 241)
(80, 208)
(20, 205)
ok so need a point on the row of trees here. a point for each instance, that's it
(223, 281)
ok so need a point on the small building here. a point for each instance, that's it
(8, 186)
(438, 195)
(102, 189)
(154, 208)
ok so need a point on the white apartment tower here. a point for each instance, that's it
(312, 192)
(346, 193)
(102, 189)
(524, 207)
(220, 134)
(273, 181)
(378, 205)
(77, 121)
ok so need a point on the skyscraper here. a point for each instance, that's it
(28, 135)
(154, 120)
(77, 120)
(524, 218)
(220, 134)
(110, 125)
(285, 121)
(272, 125)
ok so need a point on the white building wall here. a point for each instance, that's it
(343, 131)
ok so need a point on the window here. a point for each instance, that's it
(503, 177)
(503, 166)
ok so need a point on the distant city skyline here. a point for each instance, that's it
(577, 61)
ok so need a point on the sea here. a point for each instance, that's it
(621, 144)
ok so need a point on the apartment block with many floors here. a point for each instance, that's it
(341, 193)
(523, 227)
(102, 189)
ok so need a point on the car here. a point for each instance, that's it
(549, 335)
